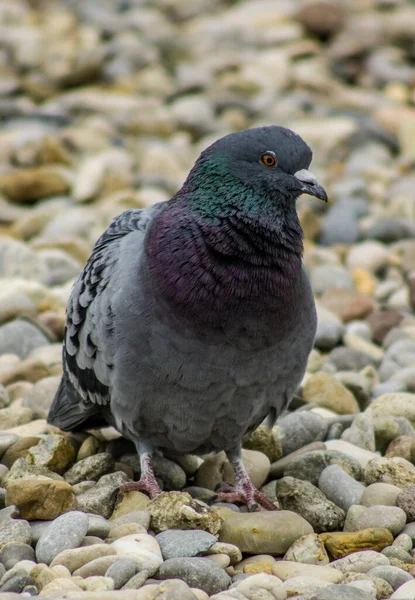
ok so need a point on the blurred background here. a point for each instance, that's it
(105, 105)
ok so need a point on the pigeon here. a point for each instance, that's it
(192, 321)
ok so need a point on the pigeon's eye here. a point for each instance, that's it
(269, 159)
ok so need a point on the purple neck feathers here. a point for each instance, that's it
(206, 270)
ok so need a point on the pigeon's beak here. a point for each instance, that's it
(310, 185)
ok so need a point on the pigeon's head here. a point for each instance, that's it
(272, 162)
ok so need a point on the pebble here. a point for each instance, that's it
(216, 469)
(122, 570)
(341, 543)
(405, 591)
(303, 498)
(65, 532)
(340, 488)
(175, 543)
(196, 572)
(394, 576)
(90, 468)
(285, 569)
(308, 549)
(324, 390)
(361, 455)
(309, 466)
(361, 433)
(14, 552)
(254, 533)
(299, 429)
(76, 558)
(396, 471)
(406, 501)
(341, 592)
(143, 547)
(178, 510)
(383, 494)
(387, 517)
(360, 562)
(40, 499)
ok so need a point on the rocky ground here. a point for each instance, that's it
(104, 105)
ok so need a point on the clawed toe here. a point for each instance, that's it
(150, 486)
(245, 494)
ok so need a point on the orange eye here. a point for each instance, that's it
(269, 159)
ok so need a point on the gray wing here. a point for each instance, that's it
(84, 392)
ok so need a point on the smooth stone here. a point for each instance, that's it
(255, 533)
(350, 359)
(383, 494)
(101, 498)
(16, 583)
(76, 558)
(399, 404)
(178, 510)
(174, 543)
(285, 570)
(405, 592)
(393, 552)
(306, 500)
(258, 563)
(326, 391)
(123, 530)
(395, 470)
(403, 541)
(65, 532)
(352, 515)
(13, 530)
(14, 552)
(341, 543)
(299, 429)
(340, 488)
(386, 517)
(235, 555)
(406, 501)
(308, 549)
(361, 433)
(90, 468)
(143, 547)
(122, 570)
(361, 455)
(279, 466)
(98, 526)
(95, 568)
(6, 440)
(20, 337)
(360, 562)
(40, 499)
(393, 575)
(128, 502)
(140, 517)
(303, 584)
(55, 452)
(340, 592)
(382, 587)
(262, 585)
(325, 277)
(310, 466)
(263, 439)
(196, 572)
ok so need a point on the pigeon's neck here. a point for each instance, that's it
(206, 267)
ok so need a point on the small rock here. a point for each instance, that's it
(90, 468)
(100, 499)
(264, 440)
(406, 501)
(285, 570)
(386, 517)
(306, 500)
(403, 541)
(299, 429)
(13, 530)
(400, 404)
(40, 499)
(383, 494)
(361, 433)
(174, 543)
(340, 488)
(65, 532)
(196, 572)
(76, 558)
(323, 390)
(122, 570)
(20, 337)
(19, 449)
(347, 304)
(230, 550)
(308, 549)
(360, 562)
(143, 547)
(54, 452)
(395, 470)
(311, 465)
(16, 583)
(261, 585)
(350, 359)
(359, 454)
(178, 510)
(405, 592)
(23, 185)
(340, 544)
(400, 555)
(14, 552)
(255, 532)
(97, 567)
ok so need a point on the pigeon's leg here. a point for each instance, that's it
(147, 482)
(243, 490)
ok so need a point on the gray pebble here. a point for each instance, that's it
(339, 226)
(142, 517)
(122, 571)
(328, 334)
(340, 592)
(399, 553)
(20, 337)
(340, 488)
(100, 499)
(16, 583)
(388, 517)
(361, 433)
(349, 359)
(90, 468)
(298, 429)
(14, 552)
(98, 526)
(6, 440)
(409, 529)
(310, 466)
(327, 277)
(196, 572)
(65, 532)
(393, 575)
(175, 543)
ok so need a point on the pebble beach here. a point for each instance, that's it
(104, 106)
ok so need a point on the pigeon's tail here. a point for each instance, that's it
(70, 413)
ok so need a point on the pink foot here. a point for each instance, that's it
(246, 493)
(145, 484)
